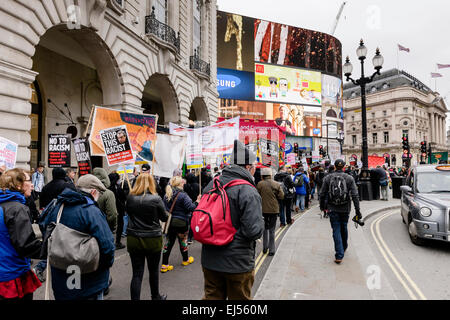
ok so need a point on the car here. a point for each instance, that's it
(425, 203)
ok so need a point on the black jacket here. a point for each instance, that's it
(144, 213)
(192, 187)
(55, 187)
(351, 188)
(246, 215)
(119, 192)
(286, 179)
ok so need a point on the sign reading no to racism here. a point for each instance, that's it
(59, 150)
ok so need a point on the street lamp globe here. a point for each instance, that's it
(361, 52)
(347, 68)
(378, 60)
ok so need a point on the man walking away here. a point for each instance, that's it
(337, 189)
(300, 182)
(271, 192)
(284, 178)
(229, 270)
(37, 179)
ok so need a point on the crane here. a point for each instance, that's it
(338, 17)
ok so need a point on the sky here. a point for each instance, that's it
(421, 26)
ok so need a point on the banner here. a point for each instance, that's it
(194, 155)
(436, 157)
(374, 162)
(8, 153)
(169, 154)
(141, 130)
(116, 145)
(81, 147)
(129, 168)
(59, 150)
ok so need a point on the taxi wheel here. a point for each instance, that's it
(413, 235)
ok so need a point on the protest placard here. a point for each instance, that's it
(169, 154)
(116, 144)
(59, 150)
(8, 153)
(81, 147)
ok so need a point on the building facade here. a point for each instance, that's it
(397, 104)
(59, 58)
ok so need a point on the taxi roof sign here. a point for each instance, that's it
(443, 168)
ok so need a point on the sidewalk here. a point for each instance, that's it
(303, 267)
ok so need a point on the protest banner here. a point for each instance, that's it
(81, 148)
(194, 155)
(169, 154)
(8, 153)
(116, 144)
(141, 130)
(59, 150)
(290, 158)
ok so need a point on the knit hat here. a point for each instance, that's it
(145, 167)
(89, 181)
(339, 163)
(241, 155)
(266, 172)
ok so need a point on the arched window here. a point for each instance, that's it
(331, 114)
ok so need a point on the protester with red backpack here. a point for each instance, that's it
(228, 221)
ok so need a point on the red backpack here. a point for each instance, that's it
(211, 220)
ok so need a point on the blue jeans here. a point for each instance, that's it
(41, 265)
(301, 201)
(340, 233)
(125, 225)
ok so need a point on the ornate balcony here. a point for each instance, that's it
(199, 66)
(161, 33)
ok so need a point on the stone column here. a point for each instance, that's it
(15, 108)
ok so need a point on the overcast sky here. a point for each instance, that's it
(422, 26)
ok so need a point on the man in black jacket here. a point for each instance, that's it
(287, 184)
(229, 270)
(339, 213)
(55, 187)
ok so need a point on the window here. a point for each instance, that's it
(386, 137)
(405, 123)
(373, 114)
(161, 10)
(354, 129)
(384, 113)
(353, 94)
(373, 89)
(354, 140)
(353, 118)
(374, 138)
(197, 35)
(405, 110)
(385, 125)
(405, 133)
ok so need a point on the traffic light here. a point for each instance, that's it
(296, 148)
(405, 144)
(423, 150)
(321, 153)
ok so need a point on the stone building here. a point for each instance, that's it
(397, 104)
(58, 58)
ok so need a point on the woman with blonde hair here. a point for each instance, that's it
(18, 242)
(144, 235)
(178, 228)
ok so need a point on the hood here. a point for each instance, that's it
(7, 195)
(58, 173)
(113, 178)
(101, 174)
(439, 200)
(191, 178)
(280, 176)
(233, 172)
(71, 197)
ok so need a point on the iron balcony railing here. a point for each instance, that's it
(198, 64)
(162, 31)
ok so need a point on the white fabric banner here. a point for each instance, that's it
(169, 154)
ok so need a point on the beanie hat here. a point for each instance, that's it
(266, 172)
(89, 181)
(145, 167)
(241, 155)
(339, 163)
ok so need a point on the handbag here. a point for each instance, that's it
(169, 219)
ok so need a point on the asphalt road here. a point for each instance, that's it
(183, 282)
(416, 273)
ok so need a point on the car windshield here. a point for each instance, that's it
(429, 182)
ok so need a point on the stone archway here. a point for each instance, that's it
(199, 111)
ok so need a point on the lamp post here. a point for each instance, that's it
(378, 60)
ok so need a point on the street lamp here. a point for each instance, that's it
(378, 60)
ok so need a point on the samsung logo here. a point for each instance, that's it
(225, 81)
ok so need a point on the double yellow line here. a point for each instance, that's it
(410, 286)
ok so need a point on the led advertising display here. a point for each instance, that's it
(234, 84)
(275, 83)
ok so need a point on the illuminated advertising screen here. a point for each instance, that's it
(275, 83)
(235, 84)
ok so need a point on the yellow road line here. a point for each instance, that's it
(386, 252)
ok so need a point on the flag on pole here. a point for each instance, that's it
(402, 48)
(436, 75)
(442, 66)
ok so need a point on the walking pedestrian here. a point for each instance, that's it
(192, 188)
(178, 228)
(271, 192)
(55, 187)
(144, 235)
(284, 178)
(38, 181)
(300, 182)
(18, 242)
(121, 198)
(228, 270)
(335, 201)
(385, 179)
(82, 214)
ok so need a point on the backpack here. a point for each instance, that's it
(211, 220)
(299, 180)
(337, 191)
(288, 191)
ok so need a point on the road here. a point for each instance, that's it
(416, 273)
(183, 282)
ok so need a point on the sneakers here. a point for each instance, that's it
(190, 242)
(292, 221)
(39, 274)
(265, 251)
(282, 225)
(189, 261)
(160, 297)
(166, 267)
(271, 254)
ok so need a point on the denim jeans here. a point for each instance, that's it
(97, 296)
(384, 193)
(125, 225)
(41, 265)
(301, 201)
(282, 211)
(339, 223)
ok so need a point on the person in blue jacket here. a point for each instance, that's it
(300, 181)
(81, 213)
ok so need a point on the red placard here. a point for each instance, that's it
(116, 144)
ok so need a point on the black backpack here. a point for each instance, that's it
(337, 191)
(299, 180)
(288, 188)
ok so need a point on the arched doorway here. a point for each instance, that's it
(198, 113)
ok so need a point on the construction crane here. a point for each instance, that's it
(337, 18)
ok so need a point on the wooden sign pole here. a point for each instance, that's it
(90, 119)
(128, 179)
(154, 144)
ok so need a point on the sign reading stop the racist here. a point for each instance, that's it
(59, 150)
(116, 144)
